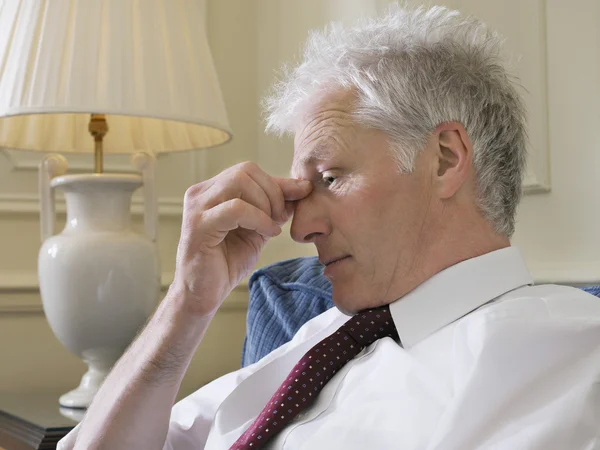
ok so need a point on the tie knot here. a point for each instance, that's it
(371, 324)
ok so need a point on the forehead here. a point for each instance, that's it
(323, 128)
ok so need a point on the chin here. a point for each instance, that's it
(347, 301)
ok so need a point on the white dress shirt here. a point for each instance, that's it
(489, 361)
(520, 372)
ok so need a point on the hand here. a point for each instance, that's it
(227, 221)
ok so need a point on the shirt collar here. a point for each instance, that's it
(457, 291)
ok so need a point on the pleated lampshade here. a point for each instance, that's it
(145, 64)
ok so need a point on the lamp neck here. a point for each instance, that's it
(98, 202)
(98, 129)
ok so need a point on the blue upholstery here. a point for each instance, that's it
(285, 295)
(594, 290)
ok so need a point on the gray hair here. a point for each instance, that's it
(413, 70)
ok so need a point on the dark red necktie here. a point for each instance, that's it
(313, 371)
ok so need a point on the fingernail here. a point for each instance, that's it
(303, 183)
(284, 218)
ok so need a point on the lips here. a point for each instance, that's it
(330, 261)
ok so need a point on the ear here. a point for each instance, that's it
(454, 155)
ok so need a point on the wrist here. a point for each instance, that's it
(182, 321)
(198, 305)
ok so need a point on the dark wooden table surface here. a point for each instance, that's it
(34, 420)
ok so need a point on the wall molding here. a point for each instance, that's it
(30, 204)
(571, 274)
(537, 179)
(29, 161)
(14, 284)
(533, 185)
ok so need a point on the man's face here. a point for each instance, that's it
(366, 219)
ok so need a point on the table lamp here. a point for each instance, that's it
(104, 77)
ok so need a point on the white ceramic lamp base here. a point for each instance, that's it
(99, 280)
(82, 396)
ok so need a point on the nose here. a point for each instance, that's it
(310, 220)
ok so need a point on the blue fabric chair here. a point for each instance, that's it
(284, 296)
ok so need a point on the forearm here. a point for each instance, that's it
(133, 407)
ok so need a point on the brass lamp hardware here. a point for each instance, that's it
(98, 129)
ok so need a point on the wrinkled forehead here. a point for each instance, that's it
(322, 103)
(324, 124)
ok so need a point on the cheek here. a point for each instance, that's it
(363, 219)
(373, 213)
(354, 208)
(381, 219)
(378, 204)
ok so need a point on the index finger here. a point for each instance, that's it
(294, 189)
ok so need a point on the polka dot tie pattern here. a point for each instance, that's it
(313, 371)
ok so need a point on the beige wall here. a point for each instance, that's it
(559, 230)
(34, 360)
(557, 223)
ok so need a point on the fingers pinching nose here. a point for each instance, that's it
(305, 185)
(294, 189)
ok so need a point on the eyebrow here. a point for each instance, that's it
(320, 152)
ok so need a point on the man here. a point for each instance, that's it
(408, 161)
